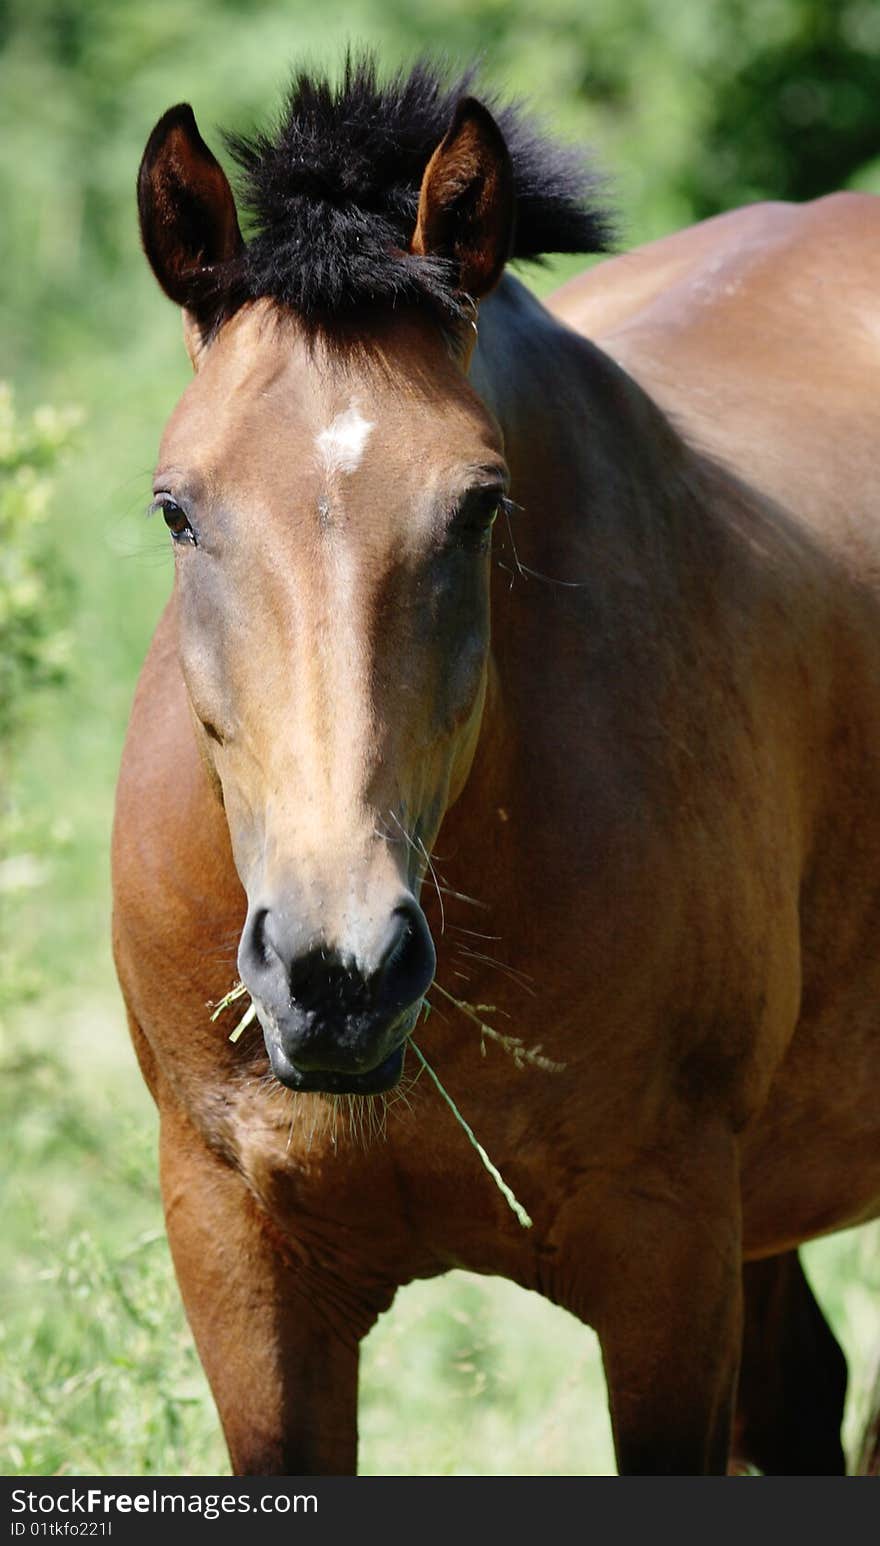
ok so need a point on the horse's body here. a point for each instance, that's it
(758, 333)
(671, 823)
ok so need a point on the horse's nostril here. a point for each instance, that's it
(398, 947)
(257, 938)
(328, 993)
(407, 967)
(261, 952)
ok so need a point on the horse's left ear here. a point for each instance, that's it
(189, 224)
(467, 202)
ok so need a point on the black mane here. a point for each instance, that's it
(333, 195)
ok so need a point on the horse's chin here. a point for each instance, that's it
(329, 1081)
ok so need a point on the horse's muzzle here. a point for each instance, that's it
(328, 1023)
(334, 1081)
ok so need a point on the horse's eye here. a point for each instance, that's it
(175, 519)
(476, 517)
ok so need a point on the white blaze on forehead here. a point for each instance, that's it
(341, 445)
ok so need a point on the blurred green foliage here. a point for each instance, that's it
(694, 108)
(689, 109)
(35, 605)
(34, 588)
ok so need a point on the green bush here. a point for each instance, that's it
(35, 589)
(36, 601)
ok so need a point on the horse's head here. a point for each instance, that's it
(330, 483)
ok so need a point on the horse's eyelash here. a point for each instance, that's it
(484, 493)
(161, 501)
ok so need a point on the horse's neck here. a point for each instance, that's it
(616, 506)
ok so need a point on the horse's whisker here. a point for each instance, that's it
(461, 896)
(436, 885)
(457, 928)
(522, 979)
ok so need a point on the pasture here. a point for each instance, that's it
(464, 1375)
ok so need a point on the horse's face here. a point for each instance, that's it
(331, 498)
(331, 516)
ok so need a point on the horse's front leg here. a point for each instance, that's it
(669, 1318)
(279, 1349)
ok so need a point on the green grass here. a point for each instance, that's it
(99, 1373)
(463, 1376)
(98, 1369)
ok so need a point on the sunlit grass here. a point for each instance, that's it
(99, 1373)
(464, 1375)
(98, 1369)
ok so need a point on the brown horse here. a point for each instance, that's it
(645, 710)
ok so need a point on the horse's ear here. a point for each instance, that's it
(189, 225)
(467, 202)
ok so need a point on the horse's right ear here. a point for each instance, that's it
(467, 200)
(189, 226)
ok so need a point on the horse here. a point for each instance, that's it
(514, 727)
